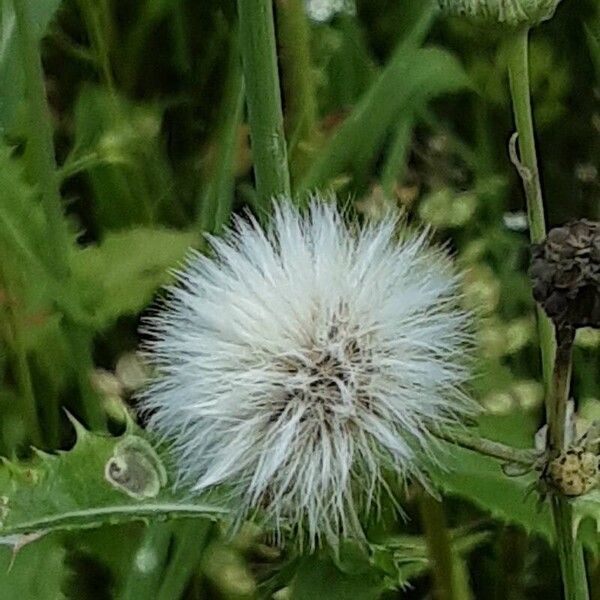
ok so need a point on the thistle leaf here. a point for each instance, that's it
(100, 480)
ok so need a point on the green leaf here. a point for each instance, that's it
(318, 577)
(101, 480)
(11, 65)
(120, 147)
(480, 480)
(120, 276)
(33, 572)
(410, 80)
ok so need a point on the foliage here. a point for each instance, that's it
(408, 110)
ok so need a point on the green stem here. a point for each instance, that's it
(217, 196)
(191, 539)
(263, 97)
(40, 145)
(439, 547)
(489, 448)
(518, 58)
(145, 574)
(509, 584)
(396, 161)
(556, 378)
(97, 20)
(42, 170)
(21, 364)
(559, 397)
(570, 551)
(298, 80)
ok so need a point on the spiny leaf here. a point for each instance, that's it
(100, 480)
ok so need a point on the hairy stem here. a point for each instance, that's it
(40, 146)
(97, 21)
(556, 379)
(439, 548)
(528, 169)
(263, 97)
(43, 172)
(298, 80)
(489, 448)
(570, 551)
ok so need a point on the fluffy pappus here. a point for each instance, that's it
(296, 365)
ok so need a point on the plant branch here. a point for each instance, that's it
(556, 380)
(496, 450)
(298, 80)
(263, 97)
(40, 145)
(42, 171)
(529, 172)
(439, 547)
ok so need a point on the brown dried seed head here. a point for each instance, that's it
(565, 274)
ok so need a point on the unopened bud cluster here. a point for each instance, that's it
(510, 13)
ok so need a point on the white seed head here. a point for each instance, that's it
(297, 365)
(512, 13)
(324, 10)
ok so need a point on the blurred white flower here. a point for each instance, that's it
(324, 10)
(297, 365)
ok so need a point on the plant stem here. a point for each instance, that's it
(489, 448)
(396, 162)
(145, 574)
(217, 196)
(298, 80)
(518, 61)
(97, 20)
(439, 547)
(556, 380)
(263, 97)
(570, 551)
(191, 539)
(558, 438)
(40, 145)
(23, 378)
(42, 171)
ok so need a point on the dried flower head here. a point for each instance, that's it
(297, 364)
(510, 13)
(565, 273)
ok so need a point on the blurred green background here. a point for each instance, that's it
(386, 103)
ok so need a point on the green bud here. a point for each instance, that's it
(510, 13)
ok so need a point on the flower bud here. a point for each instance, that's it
(510, 13)
(565, 273)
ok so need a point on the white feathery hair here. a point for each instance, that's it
(297, 364)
